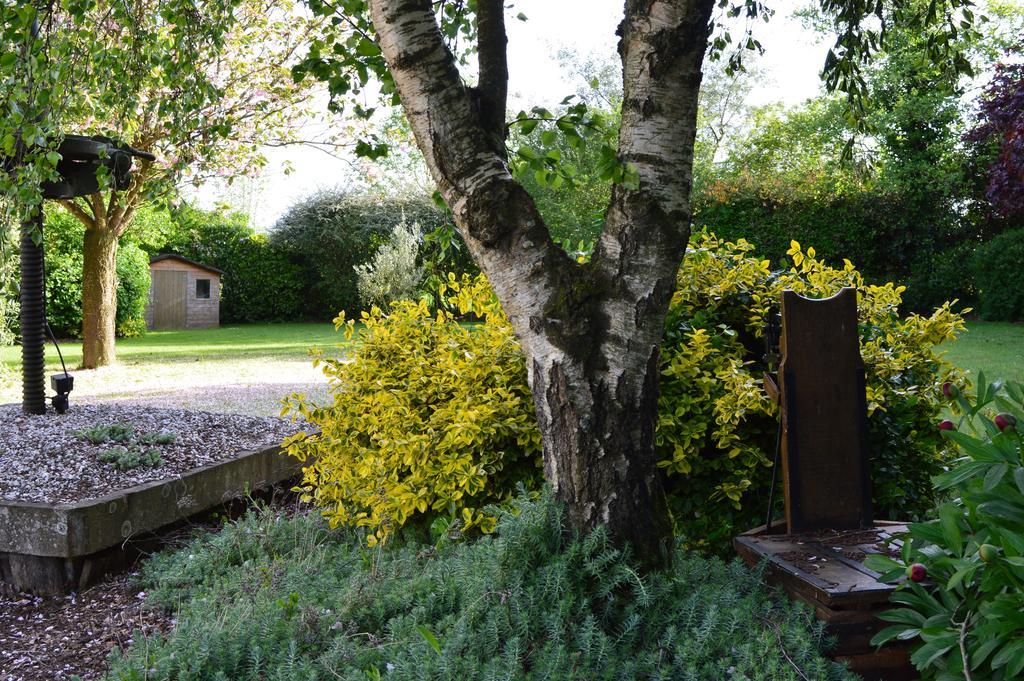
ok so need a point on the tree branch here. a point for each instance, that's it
(963, 646)
(647, 225)
(76, 210)
(114, 207)
(121, 218)
(496, 216)
(98, 210)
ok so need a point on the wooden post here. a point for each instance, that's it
(824, 415)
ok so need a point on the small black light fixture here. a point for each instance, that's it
(62, 384)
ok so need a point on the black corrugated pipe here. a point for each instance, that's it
(33, 317)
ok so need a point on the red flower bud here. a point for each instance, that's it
(950, 390)
(1004, 421)
(918, 572)
(947, 425)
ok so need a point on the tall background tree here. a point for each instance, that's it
(908, 204)
(204, 85)
(205, 109)
(999, 136)
(590, 330)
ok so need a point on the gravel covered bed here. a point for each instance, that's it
(44, 459)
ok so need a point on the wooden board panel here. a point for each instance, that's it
(170, 299)
(824, 415)
(824, 568)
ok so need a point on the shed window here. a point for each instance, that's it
(203, 288)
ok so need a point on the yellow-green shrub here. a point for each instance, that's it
(428, 417)
(717, 428)
(432, 417)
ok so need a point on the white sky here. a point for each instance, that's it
(790, 65)
(792, 60)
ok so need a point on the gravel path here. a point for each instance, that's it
(251, 386)
(242, 398)
(42, 458)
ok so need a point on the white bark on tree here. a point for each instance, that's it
(591, 332)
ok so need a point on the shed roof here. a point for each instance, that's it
(175, 256)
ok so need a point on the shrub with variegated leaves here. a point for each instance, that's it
(429, 417)
(432, 417)
(717, 428)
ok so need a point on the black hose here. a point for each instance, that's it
(33, 318)
(53, 338)
(46, 322)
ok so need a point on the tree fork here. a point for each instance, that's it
(591, 333)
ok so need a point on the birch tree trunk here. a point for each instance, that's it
(591, 332)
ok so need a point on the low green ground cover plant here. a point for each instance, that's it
(962, 600)
(101, 434)
(433, 418)
(158, 438)
(129, 458)
(286, 598)
(134, 450)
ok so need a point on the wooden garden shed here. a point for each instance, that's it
(183, 294)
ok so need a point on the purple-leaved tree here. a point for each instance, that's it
(1001, 124)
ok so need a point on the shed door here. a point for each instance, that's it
(170, 299)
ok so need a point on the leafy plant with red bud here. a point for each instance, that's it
(961, 576)
(1005, 421)
(949, 390)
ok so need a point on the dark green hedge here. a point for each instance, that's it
(881, 232)
(999, 275)
(329, 233)
(132, 290)
(259, 284)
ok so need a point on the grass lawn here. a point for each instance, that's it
(227, 342)
(995, 347)
(242, 369)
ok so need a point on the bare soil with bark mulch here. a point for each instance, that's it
(52, 639)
